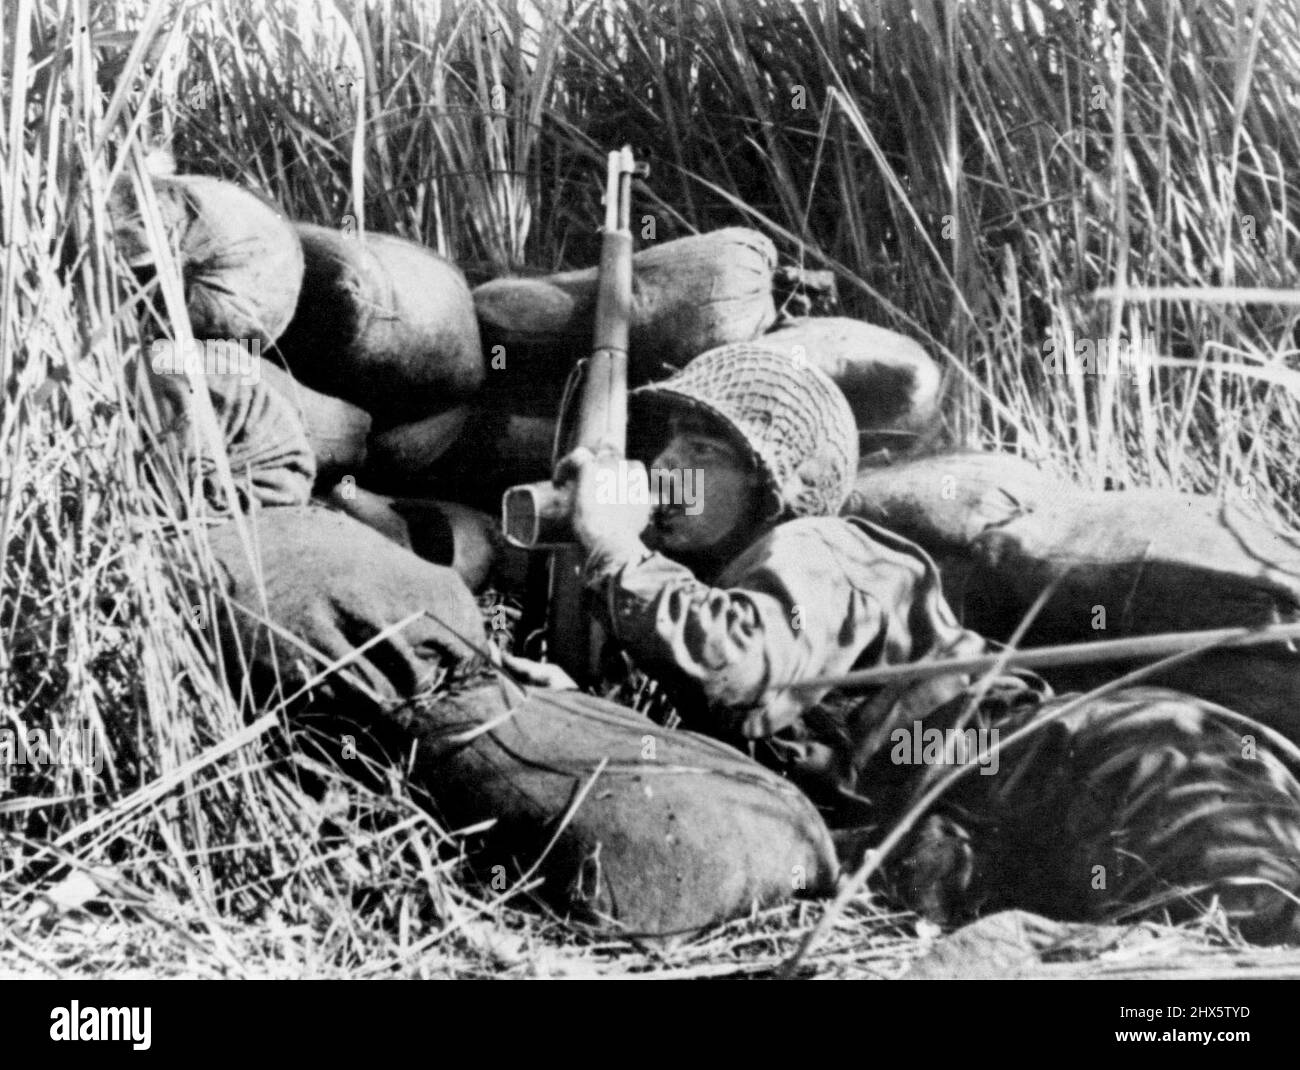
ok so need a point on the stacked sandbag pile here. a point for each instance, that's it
(242, 266)
(399, 393)
(242, 270)
(372, 335)
(383, 350)
(390, 376)
(1123, 563)
(388, 327)
(688, 296)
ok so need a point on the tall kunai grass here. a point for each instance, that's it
(974, 173)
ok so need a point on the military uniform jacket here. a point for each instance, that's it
(810, 597)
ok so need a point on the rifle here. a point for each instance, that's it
(537, 515)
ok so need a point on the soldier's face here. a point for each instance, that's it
(711, 489)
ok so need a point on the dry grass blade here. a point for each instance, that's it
(1101, 652)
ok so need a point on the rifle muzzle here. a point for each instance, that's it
(537, 514)
(540, 515)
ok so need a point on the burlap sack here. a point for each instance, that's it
(669, 831)
(688, 296)
(241, 259)
(1145, 562)
(445, 533)
(334, 584)
(1132, 562)
(944, 503)
(271, 461)
(891, 384)
(385, 324)
(376, 511)
(336, 429)
(492, 450)
(410, 455)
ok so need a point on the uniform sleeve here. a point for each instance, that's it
(724, 652)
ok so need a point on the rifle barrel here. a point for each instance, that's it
(574, 640)
(602, 410)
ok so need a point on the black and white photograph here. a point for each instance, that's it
(650, 489)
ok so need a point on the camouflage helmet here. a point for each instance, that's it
(789, 416)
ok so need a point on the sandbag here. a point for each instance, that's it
(271, 461)
(492, 451)
(688, 296)
(334, 584)
(943, 503)
(670, 831)
(376, 511)
(409, 454)
(446, 533)
(891, 384)
(1143, 562)
(241, 259)
(335, 429)
(1154, 561)
(383, 323)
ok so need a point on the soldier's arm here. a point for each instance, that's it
(722, 651)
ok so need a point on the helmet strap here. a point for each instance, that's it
(774, 506)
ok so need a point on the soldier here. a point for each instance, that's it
(1127, 803)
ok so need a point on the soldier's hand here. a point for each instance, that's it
(611, 497)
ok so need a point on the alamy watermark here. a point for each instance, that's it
(75, 1022)
(919, 745)
(663, 486)
(35, 748)
(1100, 356)
(208, 356)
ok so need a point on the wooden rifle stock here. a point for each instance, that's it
(538, 515)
